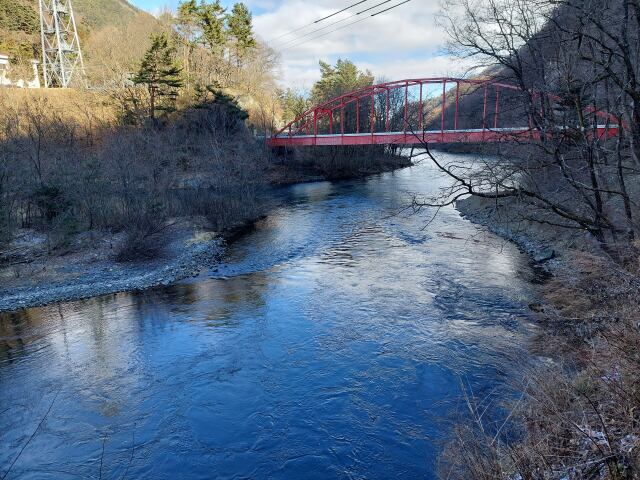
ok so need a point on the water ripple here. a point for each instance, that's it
(330, 344)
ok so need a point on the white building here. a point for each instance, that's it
(5, 81)
(4, 71)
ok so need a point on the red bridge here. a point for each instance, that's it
(432, 110)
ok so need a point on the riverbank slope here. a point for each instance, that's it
(578, 412)
(88, 264)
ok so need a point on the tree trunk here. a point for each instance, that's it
(152, 103)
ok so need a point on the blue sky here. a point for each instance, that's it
(153, 6)
(403, 43)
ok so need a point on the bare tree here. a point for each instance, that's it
(572, 77)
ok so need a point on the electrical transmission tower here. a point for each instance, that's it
(61, 55)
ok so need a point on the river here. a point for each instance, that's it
(331, 343)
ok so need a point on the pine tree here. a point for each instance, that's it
(212, 18)
(187, 24)
(293, 103)
(186, 18)
(160, 74)
(241, 29)
(342, 78)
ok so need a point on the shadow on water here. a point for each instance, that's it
(330, 344)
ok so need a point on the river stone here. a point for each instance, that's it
(544, 255)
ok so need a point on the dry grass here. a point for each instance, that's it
(68, 166)
(82, 107)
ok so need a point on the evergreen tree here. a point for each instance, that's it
(230, 114)
(241, 29)
(187, 18)
(342, 78)
(293, 104)
(160, 74)
(211, 16)
(186, 24)
(202, 23)
(335, 80)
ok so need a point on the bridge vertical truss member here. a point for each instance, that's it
(62, 63)
(425, 110)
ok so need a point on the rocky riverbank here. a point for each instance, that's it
(501, 217)
(91, 271)
(582, 399)
(31, 275)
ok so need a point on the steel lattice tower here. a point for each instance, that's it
(62, 64)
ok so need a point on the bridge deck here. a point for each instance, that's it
(412, 138)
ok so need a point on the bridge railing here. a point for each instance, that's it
(423, 109)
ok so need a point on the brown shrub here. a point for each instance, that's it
(66, 167)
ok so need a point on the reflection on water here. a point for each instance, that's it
(330, 344)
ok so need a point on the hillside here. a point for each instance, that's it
(20, 28)
(96, 14)
(570, 199)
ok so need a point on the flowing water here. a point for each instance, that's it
(331, 343)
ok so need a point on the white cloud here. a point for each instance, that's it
(436, 66)
(404, 42)
(301, 75)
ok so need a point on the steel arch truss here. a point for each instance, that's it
(433, 110)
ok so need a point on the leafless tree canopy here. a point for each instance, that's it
(64, 174)
(576, 65)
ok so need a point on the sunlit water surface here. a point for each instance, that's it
(332, 343)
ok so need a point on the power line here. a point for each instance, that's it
(294, 31)
(319, 20)
(335, 30)
(294, 40)
(337, 22)
(352, 23)
(391, 8)
(339, 11)
(371, 8)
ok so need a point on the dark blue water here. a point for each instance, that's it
(332, 343)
